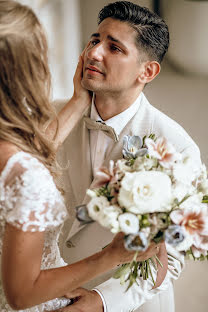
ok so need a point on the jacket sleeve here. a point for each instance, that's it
(117, 299)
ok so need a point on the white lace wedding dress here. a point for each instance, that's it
(29, 200)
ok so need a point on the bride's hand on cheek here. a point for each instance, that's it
(80, 93)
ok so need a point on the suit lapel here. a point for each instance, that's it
(77, 149)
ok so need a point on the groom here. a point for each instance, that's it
(124, 55)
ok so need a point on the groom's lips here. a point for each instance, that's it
(93, 69)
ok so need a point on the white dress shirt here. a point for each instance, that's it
(100, 143)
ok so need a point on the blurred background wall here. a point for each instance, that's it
(180, 91)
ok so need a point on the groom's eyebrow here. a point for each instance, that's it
(116, 40)
(97, 35)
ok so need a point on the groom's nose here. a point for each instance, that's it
(96, 52)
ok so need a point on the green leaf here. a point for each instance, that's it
(122, 271)
(143, 141)
(153, 263)
(150, 271)
(123, 280)
(205, 199)
(132, 280)
(158, 260)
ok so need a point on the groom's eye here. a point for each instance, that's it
(115, 48)
(94, 42)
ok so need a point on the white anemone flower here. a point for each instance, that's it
(105, 214)
(96, 206)
(129, 223)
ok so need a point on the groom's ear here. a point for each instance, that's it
(149, 71)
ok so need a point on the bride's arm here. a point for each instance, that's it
(26, 285)
(72, 111)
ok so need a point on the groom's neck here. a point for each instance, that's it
(109, 106)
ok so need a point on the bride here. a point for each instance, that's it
(32, 211)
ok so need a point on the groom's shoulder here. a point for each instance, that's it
(165, 126)
(160, 122)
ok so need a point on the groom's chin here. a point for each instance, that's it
(88, 84)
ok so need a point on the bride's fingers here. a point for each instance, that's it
(79, 69)
(83, 52)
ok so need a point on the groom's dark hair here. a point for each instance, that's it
(152, 32)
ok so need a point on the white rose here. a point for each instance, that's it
(193, 201)
(129, 223)
(204, 187)
(96, 206)
(185, 172)
(180, 190)
(145, 192)
(203, 172)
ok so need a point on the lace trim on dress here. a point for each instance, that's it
(31, 199)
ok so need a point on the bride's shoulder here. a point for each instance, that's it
(14, 161)
(7, 151)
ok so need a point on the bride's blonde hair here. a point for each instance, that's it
(25, 81)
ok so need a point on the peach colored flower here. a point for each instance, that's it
(163, 151)
(200, 246)
(106, 175)
(194, 221)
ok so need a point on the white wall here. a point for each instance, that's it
(188, 24)
(62, 22)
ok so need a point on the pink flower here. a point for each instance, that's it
(194, 221)
(105, 175)
(163, 151)
(200, 246)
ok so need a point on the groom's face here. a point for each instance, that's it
(112, 60)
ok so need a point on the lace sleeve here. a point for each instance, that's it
(31, 199)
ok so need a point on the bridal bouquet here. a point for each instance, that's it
(154, 193)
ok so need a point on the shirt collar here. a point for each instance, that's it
(119, 121)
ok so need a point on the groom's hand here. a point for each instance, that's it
(84, 301)
(88, 301)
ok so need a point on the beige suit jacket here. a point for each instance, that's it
(89, 239)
